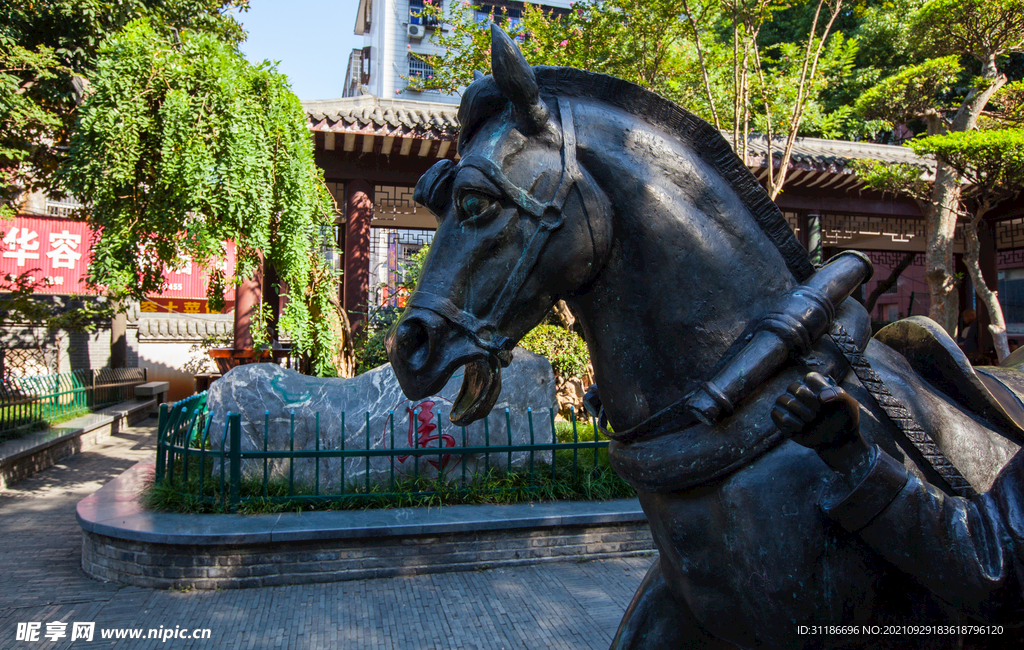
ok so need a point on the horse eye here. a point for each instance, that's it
(474, 204)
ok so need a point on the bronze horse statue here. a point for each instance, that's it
(699, 308)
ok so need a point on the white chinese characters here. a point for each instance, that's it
(82, 631)
(22, 244)
(64, 247)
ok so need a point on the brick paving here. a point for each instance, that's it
(560, 605)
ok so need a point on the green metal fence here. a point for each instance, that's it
(205, 463)
(29, 403)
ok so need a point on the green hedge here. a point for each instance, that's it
(563, 348)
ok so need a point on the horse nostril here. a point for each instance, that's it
(413, 343)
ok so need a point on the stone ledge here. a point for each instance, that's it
(35, 452)
(122, 542)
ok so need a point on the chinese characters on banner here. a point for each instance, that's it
(56, 252)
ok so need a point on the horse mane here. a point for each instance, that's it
(482, 101)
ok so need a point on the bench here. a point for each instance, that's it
(153, 388)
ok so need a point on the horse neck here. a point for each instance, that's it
(688, 275)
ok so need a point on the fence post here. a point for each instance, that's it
(161, 432)
(235, 454)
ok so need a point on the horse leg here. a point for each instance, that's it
(657, 619)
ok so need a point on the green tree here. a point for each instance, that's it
(23, 120)
(182, 145)
(913, 93)
(885, 46)
(982, 30)
(990, 166)
(616, 37)
(704, 54)
(47, 54)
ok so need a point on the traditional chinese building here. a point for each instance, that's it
(372, 152)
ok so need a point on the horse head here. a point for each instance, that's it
(584, 187)
(520, 224)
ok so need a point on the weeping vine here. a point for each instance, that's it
(182, 146)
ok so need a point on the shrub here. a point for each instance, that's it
(563, 348)
(369, 350)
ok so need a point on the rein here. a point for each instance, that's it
(789, 330)
(550, 218)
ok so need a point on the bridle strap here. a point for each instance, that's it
(549, 218)
(481, 333)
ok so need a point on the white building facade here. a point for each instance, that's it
(394, 30)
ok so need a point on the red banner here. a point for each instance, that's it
(56, 252)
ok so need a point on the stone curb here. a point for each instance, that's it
(114, 511)
(123, 542)
(35, 452)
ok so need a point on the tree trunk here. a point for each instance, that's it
(803, 91)
(940, 228)
(703, 65)
(941, 222)
(119, 338)
(886, 284)
(972, 260)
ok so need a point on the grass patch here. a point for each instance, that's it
(577, 475)
(24, 421)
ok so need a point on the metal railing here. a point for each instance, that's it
(205, 463)
(31, 403)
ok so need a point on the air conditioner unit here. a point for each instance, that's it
(416, 31)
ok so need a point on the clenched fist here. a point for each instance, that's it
(824, 417)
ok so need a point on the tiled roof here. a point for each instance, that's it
(816, 154)
(369, 114)
(169, 329)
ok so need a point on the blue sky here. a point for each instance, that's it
(311, 40)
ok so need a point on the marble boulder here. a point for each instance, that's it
(357, 413)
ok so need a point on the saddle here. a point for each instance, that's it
(993, 393)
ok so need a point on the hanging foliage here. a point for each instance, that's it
(182, 146)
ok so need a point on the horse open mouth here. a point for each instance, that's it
(481, 385)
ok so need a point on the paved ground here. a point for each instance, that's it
(564, 605)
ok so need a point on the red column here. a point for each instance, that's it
(358, 214)
(247, 295)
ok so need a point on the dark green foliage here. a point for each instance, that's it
(1009, 104)
(978, 28)
(910, 93)
(182, 145)
(369, 350)
(47, 49)
(563, 348)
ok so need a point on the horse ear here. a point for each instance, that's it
(516, 81)
(477, 75)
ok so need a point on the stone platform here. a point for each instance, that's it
(23, 457)
(124, 543)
